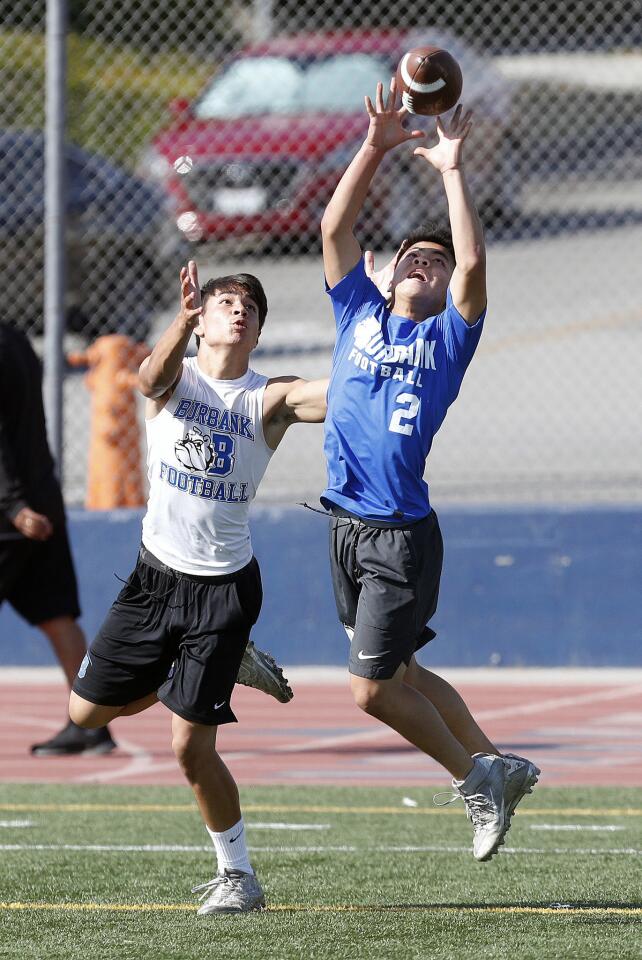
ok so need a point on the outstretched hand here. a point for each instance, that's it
(382, 279)
(447, 154)
(386, 130)
(191, 309)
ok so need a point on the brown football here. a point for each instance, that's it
(429, 80)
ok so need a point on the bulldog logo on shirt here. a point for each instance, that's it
(195, 450)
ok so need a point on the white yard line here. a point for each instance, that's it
(290, 826)
(570, 827)
(342, 848)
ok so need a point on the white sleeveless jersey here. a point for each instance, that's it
(206, 455)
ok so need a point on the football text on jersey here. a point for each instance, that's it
(203, 487)
(372, 354)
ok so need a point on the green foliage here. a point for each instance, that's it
(163, 25)
(117, 96)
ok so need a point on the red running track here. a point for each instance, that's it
(581, 728)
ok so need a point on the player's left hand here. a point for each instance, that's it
(447, 154)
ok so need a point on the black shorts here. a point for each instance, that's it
(386, 584)
(38, 577)
(180, 635)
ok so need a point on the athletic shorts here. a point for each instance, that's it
(179, 635)
(386, 584)
(38, 578)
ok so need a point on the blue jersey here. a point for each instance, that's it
(391, 384)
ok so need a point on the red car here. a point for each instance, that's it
(255, 157)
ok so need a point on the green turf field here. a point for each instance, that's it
(367, 878)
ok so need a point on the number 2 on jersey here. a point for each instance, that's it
(407, 413)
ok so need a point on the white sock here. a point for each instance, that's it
(231, 851)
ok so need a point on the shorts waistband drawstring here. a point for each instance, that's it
(150, 560)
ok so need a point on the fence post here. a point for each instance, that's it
(55, 215)
(262, 20)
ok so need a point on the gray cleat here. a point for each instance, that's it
(521, 777)
(261, 671)
(484, 805)
(232, 891)
(485, 808)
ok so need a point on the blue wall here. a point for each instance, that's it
(527, 587)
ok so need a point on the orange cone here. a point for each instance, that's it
(115, 464)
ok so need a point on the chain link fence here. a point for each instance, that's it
(217, 131)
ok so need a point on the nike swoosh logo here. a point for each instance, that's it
(367, 656)
(232, 839)
(84, 666)
(217, 706)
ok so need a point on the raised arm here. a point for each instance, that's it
(159, 372)
(289, 400)
(341, 249)
(468, 282)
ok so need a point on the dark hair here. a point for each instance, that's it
(429, 232)
(238, 283)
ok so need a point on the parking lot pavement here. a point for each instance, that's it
(549, 410)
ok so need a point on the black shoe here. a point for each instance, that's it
(74, 739)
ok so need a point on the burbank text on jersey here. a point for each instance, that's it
(371, 353)
(209, 453)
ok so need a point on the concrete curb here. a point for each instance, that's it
(527, 676)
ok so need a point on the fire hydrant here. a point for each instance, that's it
(115, 470)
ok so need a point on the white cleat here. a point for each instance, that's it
(232, 891)
(485, 806)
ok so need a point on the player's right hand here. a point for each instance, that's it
(386, 129)
(191, 309)
(34, 526)
(382, 279)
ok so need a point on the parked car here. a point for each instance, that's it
(115, 261)
(255, 157)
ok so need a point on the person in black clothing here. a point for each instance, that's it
(37, 575)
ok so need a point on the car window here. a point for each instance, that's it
(253, 86)
(277, 85)
(338, 84)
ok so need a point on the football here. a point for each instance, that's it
(429, 80)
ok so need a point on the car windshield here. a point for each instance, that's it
(252, 86)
